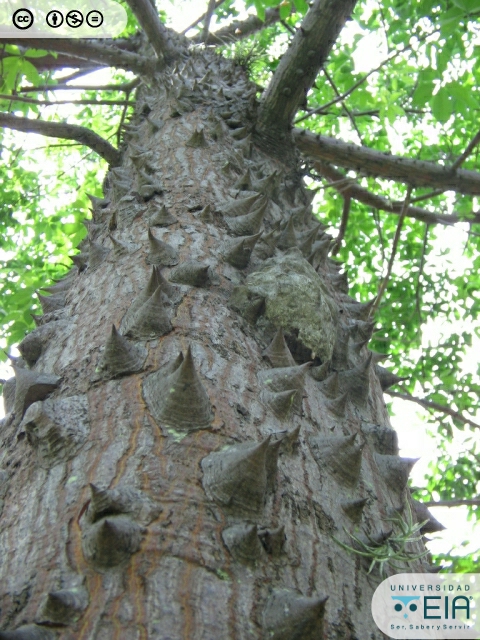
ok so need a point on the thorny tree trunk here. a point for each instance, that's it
(187, 473)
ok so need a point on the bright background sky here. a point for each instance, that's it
(407, 419)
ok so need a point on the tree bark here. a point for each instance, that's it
(384, 165)
(297, 71)
(148, 494)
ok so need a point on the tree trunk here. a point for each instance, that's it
(192, 467)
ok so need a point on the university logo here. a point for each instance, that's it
(433, 606)
(405, 600)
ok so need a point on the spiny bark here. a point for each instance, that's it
(187, 477)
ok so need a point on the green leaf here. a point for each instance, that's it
(10, 73)
(285, 9)
(467, 5)
(301, 6)
(423, 93)
(442, 105)
(35, 53)
(260, 8)
(450, 16)
(463, 94)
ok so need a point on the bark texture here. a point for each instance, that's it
(187, 473)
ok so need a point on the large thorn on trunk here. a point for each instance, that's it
(290, 616)
(237, 477)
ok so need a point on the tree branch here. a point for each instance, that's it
(428, 196)
(202, 17)
(368, 161)
(51, 63)
(121, 88)
(208, 18)
(361, 80)
(434, 406)
(155, 31)
(396, 239)
(62, 130)
(49, 103)
(461, 158)
(239, 29)
(81, 51)
(300, 64)
(122, 119)
(355, 191)
(418, 293)
(469, 502)
(343, 225)
(347, 111)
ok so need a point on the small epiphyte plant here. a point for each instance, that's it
(390, 547)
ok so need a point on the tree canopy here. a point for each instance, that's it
(390, 148)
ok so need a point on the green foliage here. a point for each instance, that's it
(36, 237)
(454, 477)
(42, 212)
(467, 563)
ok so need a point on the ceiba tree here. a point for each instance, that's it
(196, 443)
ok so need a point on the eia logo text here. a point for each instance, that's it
(433, 606)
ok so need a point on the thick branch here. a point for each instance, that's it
(469, 502)
(81, 51)
(62, 130)
(51, 63)
(367, 161)
(239, 29)
(155, 31)
(348, 187)
(435, 406)
(301, 62)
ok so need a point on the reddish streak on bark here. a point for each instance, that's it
(97, 603)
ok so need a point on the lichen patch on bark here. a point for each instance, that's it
(296, 299)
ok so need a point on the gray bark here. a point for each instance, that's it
(153, 495)
(381, 164)
(297, 71)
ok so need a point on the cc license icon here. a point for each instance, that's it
(74, 19)
(54, 19)
(22, 19)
